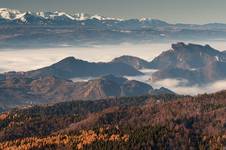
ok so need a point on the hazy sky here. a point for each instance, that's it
(183, 11)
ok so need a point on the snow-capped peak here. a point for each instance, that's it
(21, 16)
(13, 14)
(144, 19)
(64, 15)
(84, 16)
(98, 17)
(149, 20)
(153, 21)
(10, 14)
(53, 15)
(81, 16)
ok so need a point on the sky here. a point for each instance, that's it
(173, 11)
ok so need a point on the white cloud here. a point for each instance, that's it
(177, 85)
(174, 85)
(29, 59)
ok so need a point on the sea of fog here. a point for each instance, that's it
(172, 84)
(29, 59)
(176, 86)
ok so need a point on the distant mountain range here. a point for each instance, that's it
(22, 91)
(53, 29)
(13, 16)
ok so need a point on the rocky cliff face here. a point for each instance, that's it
(195, 63)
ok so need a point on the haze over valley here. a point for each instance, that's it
(85, 81)
(26, 60)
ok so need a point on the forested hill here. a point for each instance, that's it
(159, 122)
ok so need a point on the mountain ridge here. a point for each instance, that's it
(59, 29)
(70, 68)
(191, 64)
(20, 17)
(196, 63)
(23, 91)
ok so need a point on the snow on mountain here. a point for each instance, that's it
(12, 14)
(54, 15)
(9, 14)
(81, 16)
(21, 17)
(98, 17)
(153, 21)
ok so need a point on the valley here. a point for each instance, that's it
(82, 81)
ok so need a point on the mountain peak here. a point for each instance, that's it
(81, 16)
(133, 61)
(54, 15)
(9, 14)
(68, 63)
(67, 60)
(71, 67)
(194, 47)
(178, 45)
(198, 64)
(13, 14)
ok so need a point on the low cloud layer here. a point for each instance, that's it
(174, 85)
(30, 59)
